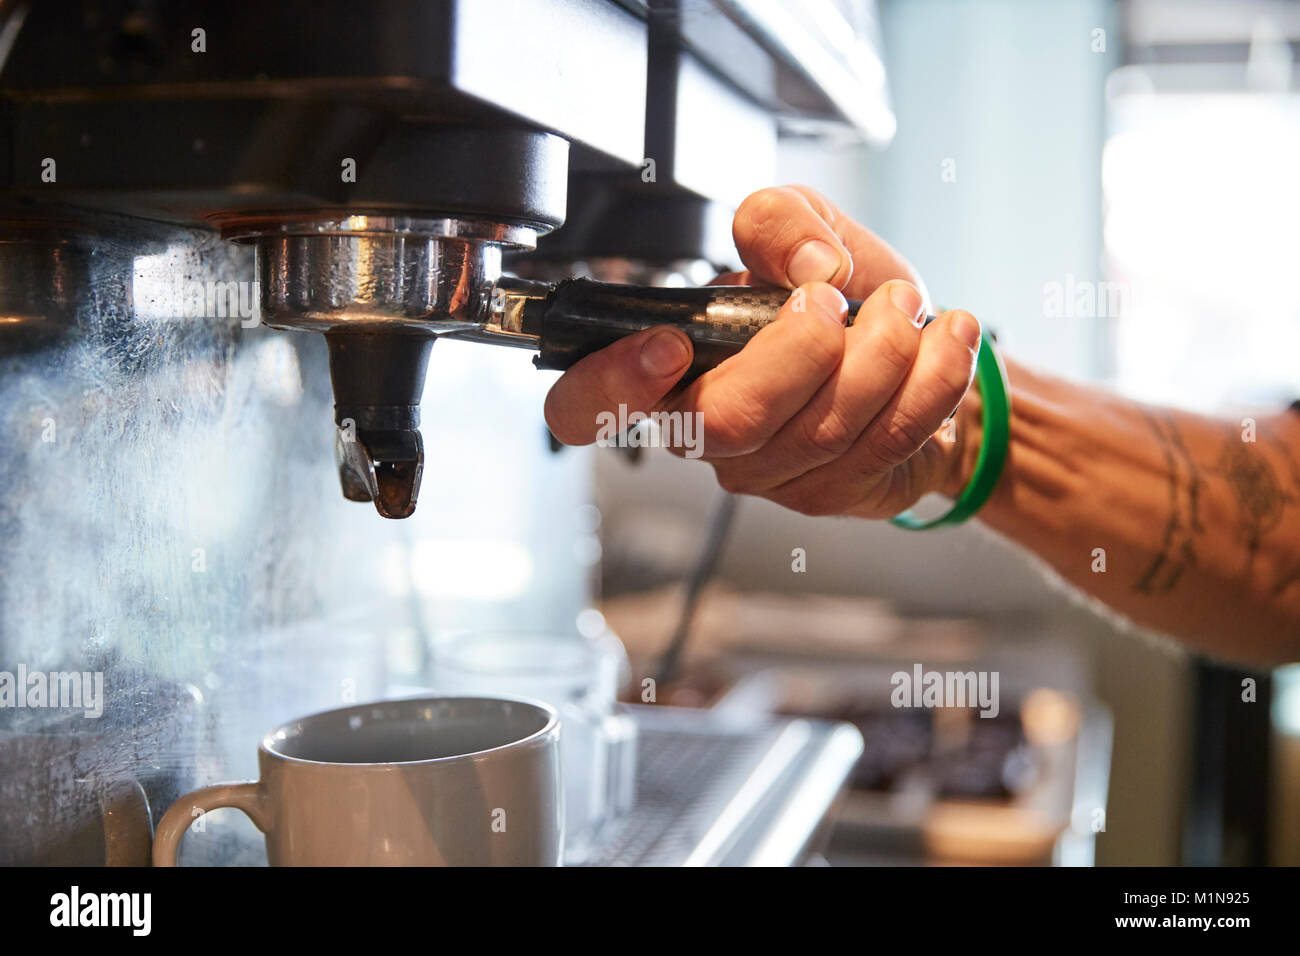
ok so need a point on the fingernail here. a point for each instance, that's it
(907, 298)
(814, 261)
(664, 353)
(827, 301)
(967, 328)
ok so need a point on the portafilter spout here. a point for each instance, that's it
(380, 289)
(378, 380)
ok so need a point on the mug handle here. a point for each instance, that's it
(247, 797)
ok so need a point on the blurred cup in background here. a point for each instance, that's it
(580, 677)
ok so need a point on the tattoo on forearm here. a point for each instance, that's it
(1259, 495)
(1193, 476)
(1291, 577)
(1177, 548)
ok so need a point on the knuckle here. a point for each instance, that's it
(945, 385)
(753, 215)
(820, 342)
(764, 204)
(733, 425)
(954, 379)
(895, 346)
(820, 204)
(761, 221)
(897, 437)
(828, 436)
(601, 390)
(958, 367)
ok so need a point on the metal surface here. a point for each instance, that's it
(712, 792)
(147, 538)
(430, 99)
(507, 320)
(835, 47)
(379, 288)
(169, 521)
(73, 790)
(384, 274)
(43, 274)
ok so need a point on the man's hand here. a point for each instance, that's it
(815, 416)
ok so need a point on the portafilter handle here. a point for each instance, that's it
(576, 317)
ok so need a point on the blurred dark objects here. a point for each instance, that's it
(986, 758)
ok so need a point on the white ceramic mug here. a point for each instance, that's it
(437, 781)
(578, 676)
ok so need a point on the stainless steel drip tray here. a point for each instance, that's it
(712, 791)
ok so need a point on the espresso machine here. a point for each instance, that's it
(185, 188)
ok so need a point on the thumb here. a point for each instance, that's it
(635, 372)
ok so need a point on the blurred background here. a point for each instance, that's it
(1144, 151)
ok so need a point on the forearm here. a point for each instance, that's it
(1176, 520)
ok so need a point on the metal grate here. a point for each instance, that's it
(684, 780)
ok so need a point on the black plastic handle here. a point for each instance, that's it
(581, 316)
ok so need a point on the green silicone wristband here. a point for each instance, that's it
(996, 397)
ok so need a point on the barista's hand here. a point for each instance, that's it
(814, 416)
